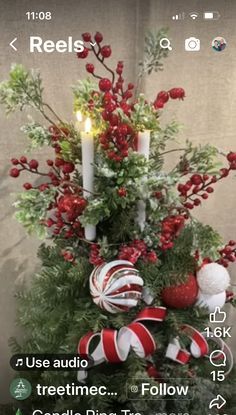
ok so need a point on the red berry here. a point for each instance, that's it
(43, 187)
(197, 202)
(90, 68)
(98, 37)
(114, 119)
(110, 107)
(122, 192)
(196, 189)
(163, 96)
(23, 159)
(130, 86)
(189, 205)
(50, 222)
(204, 196)
(14, 172)
(173, 93)
(59, 162)
(152, 257)
(158, 195)
(27, 186)
(231, 258)
(105, 115)
(123, 129)
(68, 167)
(177, 93)
(224, 172)
(105, 84)
(232, 242)
(209, 189)
(49, 162)
(181, 188)
(86, 36)
(33, 164)
(15, 161)
(231, 156)
(106, 51)
(158, 104)
(83, 54)
(196, 179)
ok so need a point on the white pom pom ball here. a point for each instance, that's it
(211, 301)
(213, 279)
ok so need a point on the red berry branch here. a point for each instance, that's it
(163, 97)
(119, 136)
(199, 186)
(227, 254)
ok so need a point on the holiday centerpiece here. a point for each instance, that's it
(131, 275)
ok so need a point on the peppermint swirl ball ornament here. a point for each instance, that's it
(116, 286)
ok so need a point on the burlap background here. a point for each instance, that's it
(208, 113)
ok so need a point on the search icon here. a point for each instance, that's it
(165, 43)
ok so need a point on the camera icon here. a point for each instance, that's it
(192, 44)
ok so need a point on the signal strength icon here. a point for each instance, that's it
(193, 15)
(179, 16)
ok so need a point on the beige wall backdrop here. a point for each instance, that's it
(208, 114)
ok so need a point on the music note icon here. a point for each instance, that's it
(19, 362)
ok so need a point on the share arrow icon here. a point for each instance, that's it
(218, 402)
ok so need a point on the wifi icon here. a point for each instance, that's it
(194, 15)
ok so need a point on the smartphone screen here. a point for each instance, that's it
(118, 231)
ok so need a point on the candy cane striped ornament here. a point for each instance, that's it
(116, 286)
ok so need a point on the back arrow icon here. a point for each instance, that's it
(11, 44)
(218, 402)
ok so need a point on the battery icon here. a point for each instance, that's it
(211, 15)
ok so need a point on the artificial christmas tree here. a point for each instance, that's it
(127, 253)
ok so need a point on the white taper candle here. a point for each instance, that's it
(87, 144)
(143, 148)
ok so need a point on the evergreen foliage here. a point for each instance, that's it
(58, 309)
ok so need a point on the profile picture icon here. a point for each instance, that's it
(218, 44)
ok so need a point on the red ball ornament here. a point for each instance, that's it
(105, 84)
(182, 295)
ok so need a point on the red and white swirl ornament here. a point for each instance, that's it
(116, 286)
(114, 346)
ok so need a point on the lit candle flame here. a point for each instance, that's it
(79, 116)
(88, 125)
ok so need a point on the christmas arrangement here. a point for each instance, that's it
(129, 275)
